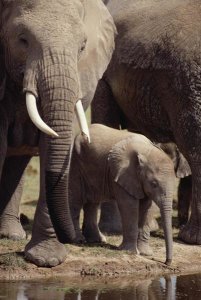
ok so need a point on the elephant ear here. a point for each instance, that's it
(181, 166)
(100, 31)
(124, 166)
(2, 74)
(182, 169)
(2, 64)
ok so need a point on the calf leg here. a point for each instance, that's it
(90, 228)
(146, 213)
(129, 211)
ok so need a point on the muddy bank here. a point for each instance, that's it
(96, 261)
(101, 262)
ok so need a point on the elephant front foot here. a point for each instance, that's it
(94, 236)
(79, 239)
(143, 241)
(128, 246)
(46, 253)
(144, 248)
(190, 234)
(11, 228)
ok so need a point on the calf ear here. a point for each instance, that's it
(124, 166)
(182, 169)
(181, 166)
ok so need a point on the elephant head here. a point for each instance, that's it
(143, 170)
(55, 52)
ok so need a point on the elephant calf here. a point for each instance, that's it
(125, 167)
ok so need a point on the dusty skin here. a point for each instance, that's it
(97, 261)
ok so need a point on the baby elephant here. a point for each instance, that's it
(125, 167)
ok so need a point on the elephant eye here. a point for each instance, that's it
(83, 46)
(23, 41)
(154, 184)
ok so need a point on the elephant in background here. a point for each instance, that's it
(125, 167)
(152, 84)
(49, 56)
(184, 200)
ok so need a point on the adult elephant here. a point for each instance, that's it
(49, 53)
(152, 84)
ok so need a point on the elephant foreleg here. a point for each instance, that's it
(75, 198)
(110, 220)
(44, 249)
(184, 199)
(191, 232)
(129, 211)
(10, 196)
(90, 228)
(146, 225)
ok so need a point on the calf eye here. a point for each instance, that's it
(154, 184)
(83, 45)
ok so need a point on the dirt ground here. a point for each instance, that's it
(98, 261)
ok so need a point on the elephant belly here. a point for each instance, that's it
(22, 150)
(136, 92)
(23, 137)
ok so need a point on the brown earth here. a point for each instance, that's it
(97, 261)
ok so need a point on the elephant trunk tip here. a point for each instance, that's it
(168, 261)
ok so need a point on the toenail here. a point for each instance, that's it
(53, 262)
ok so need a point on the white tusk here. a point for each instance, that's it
(35, 117)
(82, 119)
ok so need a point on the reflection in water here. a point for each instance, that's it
(167, 288)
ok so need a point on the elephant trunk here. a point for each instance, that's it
(166, 216)
(57, 89)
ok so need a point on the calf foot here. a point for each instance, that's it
(143, 242)
(144, 248)
(11, 228)
(79, 239)
(92, 236)
(128, 246)
(45, 253)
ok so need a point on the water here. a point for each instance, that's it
(170, 288)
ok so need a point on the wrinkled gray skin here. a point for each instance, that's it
(184, 200)
(125, 167)
(110, 221)
(152, 85)
(47, 48)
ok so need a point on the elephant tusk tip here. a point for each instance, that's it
(54, 134)
(86, 137)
